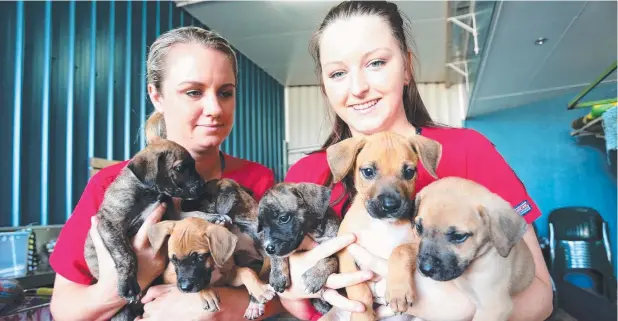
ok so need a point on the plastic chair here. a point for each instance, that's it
(580, 252)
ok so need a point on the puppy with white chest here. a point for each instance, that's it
(473, 237)
(200, 255)
(385, 168)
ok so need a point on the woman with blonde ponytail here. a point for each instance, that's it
(192, 80)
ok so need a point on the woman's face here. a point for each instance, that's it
(198, 96)
(363, 73)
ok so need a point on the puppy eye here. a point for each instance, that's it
(368, 172)
(179, 167)
(408, 173)
(285, 218)
(174, 258)
(458, 238)
(202, 257)
(419, 228)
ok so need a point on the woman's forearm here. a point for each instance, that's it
(534, 303)
(72, 301)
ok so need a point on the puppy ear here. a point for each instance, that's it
(341, 156)
(315, 195)
(222, 243)
(506, 227)
(429, 151)
(158, 233)
(227, 196)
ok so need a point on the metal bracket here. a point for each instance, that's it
(471, 29)
(454, 65)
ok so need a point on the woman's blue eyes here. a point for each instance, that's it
(373, 64)
(197, 94)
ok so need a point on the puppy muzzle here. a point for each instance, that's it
(439, 267)
(193, 284)
(389, 206)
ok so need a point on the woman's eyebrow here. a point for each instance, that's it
(364, 55)
(199, 83)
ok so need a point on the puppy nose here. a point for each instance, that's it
(270, 249)
(428, 266)
(185, 285)
(389, 203)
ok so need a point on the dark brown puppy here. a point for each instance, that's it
(289, 212)
(200, 255)
(227, 203)
(384, 166)
(160, 171)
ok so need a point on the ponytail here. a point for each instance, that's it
(155, 127)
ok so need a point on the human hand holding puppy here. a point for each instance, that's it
(150, 264)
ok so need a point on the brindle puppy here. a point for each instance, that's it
(159, 172)
(287, 213)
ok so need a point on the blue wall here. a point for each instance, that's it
(557, 169)
(72, 84)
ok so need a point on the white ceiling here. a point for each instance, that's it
(581, 43)
(275, 35)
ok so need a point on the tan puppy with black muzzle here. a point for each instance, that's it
(473, 237)
(384, 166)
(200, 256)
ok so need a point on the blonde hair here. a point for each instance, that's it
(155, 66)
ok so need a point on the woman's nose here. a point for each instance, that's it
(359, 84)
(211, 105)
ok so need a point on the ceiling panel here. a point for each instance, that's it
(588, 48)
(513, 58)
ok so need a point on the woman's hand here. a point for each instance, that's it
(302, 261)
(149, 264)
(166, 302)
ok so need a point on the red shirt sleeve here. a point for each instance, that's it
(486, 166)
(67, 258)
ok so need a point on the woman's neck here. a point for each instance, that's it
(208, 164)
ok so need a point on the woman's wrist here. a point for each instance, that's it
(103, 295)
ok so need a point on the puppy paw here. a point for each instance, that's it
(314, 279)
(399, 296)
(265, 294)
(129, 289)
(280, 282)
(210, 300)
(223, 220)
(254, 311)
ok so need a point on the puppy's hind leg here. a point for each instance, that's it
(400, 285)
(255, 309)
(124, 258)
(315, 278)
(258, 290)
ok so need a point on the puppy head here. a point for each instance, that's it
(287, 212)
(167, 168)
(385, 169)
(223, 196)
(458, 221)
(195, 248)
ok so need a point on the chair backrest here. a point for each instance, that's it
(96, 164)
(580, 249)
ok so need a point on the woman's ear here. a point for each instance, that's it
(409, 59)
(155, 98)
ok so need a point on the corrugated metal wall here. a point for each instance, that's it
(308, 120)
(72, 86)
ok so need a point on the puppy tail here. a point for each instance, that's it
(155, 127)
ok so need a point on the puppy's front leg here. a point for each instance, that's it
(400, 286)
(123, 256)
(315, 278)
(280, 274)
(358, 292)
(210, 299)
(256, 288)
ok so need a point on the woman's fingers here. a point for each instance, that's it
(342, 280)
(330, 247)
(367, 261)
(99, 247)
(141, 238)
(337, 300)
(156, 291)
